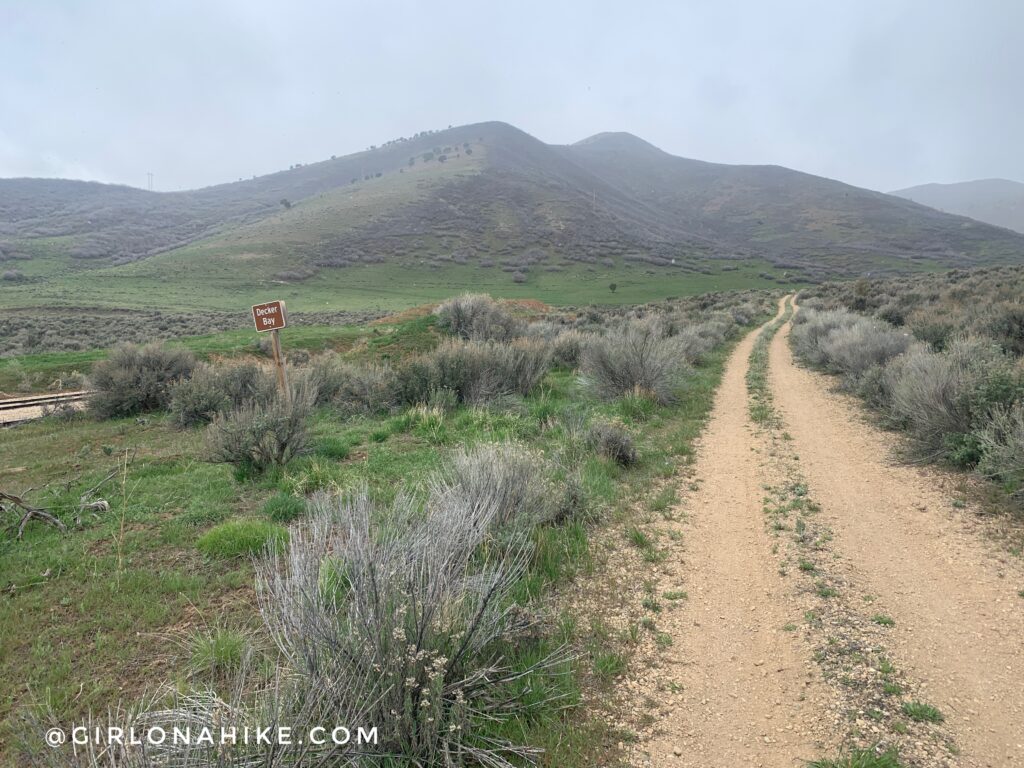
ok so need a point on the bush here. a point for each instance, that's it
(354, 388)
(613, 441)
(811, 328)
(256, 436)
(404, 616)
(695, 341)
(567, 347)
(635, 358)
(505, 476)
(284, 508)
(241, 538)
(1001, 443)
(137, 379)
(941, 396)
(212, 390)
(477, 317)
(851, 350)
(475, 372)
(1005, 323)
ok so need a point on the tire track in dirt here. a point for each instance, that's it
(750, 693)
(959, 623)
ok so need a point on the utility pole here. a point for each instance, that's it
(149, 175)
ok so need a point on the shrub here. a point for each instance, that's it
(212, 390)
(256, 436)
(1001, 443)
(940, 396)
(505, 476)
(811, 328)
(1005, 323)
(634, 358)
(613, 441)
(284, 508)
(402, 614)
(567, 347)
(854, 348)
(478, 317)
(695, 341)
(931, 328)
(474, 371)
(354, 388)
(240, 538)
(137, 379)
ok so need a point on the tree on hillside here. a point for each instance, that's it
(286, 203)
(613, 287)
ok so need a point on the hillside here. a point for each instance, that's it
(479, 205)
(993, 201)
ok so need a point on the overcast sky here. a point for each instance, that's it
(879, 93)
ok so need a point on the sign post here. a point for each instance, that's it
(271, 317)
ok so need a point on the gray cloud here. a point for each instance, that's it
(879, 94)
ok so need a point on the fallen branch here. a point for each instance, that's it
(28, 512)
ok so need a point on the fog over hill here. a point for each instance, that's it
(994, 201)
(489, 190)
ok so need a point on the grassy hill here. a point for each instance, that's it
(994, 201)
(482, 206)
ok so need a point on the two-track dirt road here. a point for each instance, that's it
(752, 695)
(749, 696)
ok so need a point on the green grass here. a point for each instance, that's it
(860, 758)
(240, 538)
(218, 652)
(920, 712)
(233, 277)
(609, 665)
(284, 508)
(883, 620)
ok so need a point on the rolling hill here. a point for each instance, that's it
(994, 201)
(483, 205)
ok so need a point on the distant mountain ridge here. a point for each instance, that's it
(993, 201)
(491, 192)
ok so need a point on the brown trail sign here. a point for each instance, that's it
(271, 316)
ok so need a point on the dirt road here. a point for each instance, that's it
(748, 688)
(953, 595)
(751, 694)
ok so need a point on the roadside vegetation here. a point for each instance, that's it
(383, 545)
(939, 357)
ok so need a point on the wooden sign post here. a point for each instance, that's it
(272, 317)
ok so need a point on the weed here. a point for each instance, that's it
(922, 713)
(284, 508)
(860, 758)
(240, 538)
(218, 652)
